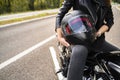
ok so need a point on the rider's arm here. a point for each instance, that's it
(109, 21)
(66, 6)
(63, 10)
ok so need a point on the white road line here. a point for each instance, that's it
(56, 64)
(20, 55)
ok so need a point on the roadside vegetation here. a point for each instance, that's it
(14, 6)
(19, 6)
(25, 18)
(117, 1)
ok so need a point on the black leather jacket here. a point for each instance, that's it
(100, 13)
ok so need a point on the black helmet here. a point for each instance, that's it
(78, 28)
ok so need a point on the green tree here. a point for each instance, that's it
(31, 4)
(2, 6)
(5, 6)
(19, 5)
(8, 5)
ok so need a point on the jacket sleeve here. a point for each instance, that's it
(66, 6)
(109, 18)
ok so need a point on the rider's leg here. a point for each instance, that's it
(105, 46)
(77, 62)
(109, 47)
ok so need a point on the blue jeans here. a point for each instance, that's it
(79, 55)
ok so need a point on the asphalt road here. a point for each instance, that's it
(37, 64)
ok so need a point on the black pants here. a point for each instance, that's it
(79, 55)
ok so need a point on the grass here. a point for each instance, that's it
(25, 18)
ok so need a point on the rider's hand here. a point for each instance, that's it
(103, 29)
(98, 34)
(61, 39)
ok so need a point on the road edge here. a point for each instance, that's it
(26, 21)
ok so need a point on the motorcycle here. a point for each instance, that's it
(99, 65)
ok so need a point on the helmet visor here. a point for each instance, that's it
(79, 24)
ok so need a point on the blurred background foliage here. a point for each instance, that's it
(12, 6)
(118, 1)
